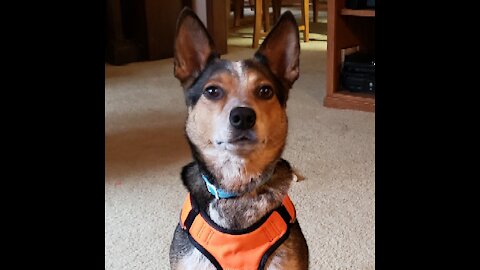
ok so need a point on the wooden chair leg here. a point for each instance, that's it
(257, 28)
(305, 20)
(315, 4)
(237, 12)
(266, 15)
(277, 6)
(242, 10)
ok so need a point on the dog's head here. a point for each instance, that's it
(237, 123)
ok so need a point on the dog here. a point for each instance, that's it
(237, 214)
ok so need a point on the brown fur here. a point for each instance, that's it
(209, 116)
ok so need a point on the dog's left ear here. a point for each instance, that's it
(280, 50)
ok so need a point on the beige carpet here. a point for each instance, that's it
(145, 150)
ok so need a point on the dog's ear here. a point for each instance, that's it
(194, 47)
(280, 50)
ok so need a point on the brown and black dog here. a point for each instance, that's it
(237, 129)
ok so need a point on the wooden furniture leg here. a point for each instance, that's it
(261, 11)
(237, 11)
(277, 6)
(266, 15)
(305, 20)
(257, 28)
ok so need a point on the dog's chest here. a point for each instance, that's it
(239, 214)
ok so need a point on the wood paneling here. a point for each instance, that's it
(161, 17)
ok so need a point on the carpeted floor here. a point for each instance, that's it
(145, 151)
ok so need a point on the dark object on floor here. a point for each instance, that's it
(358, 73)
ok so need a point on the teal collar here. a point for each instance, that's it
(217, 192)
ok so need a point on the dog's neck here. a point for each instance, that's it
(239, 175)
(248, 207)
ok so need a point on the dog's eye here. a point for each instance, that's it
(213, 92)
(265, 92)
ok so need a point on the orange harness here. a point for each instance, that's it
(245, 249)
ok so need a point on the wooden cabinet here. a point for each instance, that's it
(347, 28)
(145, 30)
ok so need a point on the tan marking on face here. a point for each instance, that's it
(208, 124)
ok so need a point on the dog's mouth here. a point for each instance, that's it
(243, 139)
(240, 141)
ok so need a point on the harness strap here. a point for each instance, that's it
(228, 249)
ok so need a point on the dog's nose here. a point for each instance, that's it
(242, 118)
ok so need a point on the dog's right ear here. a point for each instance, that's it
(194, 47)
